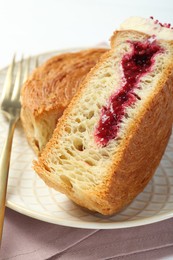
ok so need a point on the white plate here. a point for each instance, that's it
(28, 194)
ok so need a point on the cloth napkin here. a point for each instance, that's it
(25, 238)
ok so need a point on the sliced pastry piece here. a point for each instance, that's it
(111, 138)
(49, 90)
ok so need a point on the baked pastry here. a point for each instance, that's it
(111, 138)
(49, 90)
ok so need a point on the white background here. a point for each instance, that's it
(37, 26)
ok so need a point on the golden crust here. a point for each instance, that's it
(142, 151)
(52, 85)
(49, 90)
(137, 157)
(128, 174)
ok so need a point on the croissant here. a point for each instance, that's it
(111, 138)
(49, 90)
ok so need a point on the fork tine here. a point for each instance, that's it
(26, 72)
(36, 62)
(18, 81)
(7, 88)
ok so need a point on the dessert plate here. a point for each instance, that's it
(29, 195)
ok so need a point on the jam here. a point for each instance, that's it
(134, 66)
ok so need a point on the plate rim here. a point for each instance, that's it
(90, 224)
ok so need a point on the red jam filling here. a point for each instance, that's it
(134, 65)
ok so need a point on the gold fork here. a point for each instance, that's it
(10, 106)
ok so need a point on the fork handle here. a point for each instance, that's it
(4, 169)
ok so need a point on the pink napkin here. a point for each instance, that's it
(25, 238)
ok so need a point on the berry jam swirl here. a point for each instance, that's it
(134, 65)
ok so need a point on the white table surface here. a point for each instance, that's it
(36, 26)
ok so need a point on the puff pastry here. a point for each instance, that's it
(49, 90)
(111, 138)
